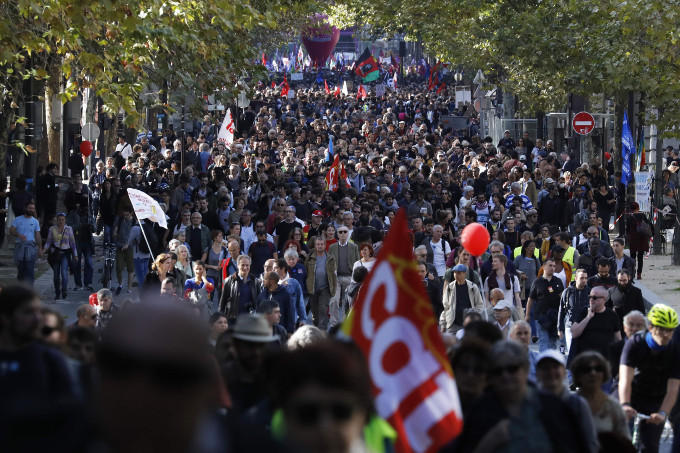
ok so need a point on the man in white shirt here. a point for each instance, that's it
(123, 147)
(440, 249)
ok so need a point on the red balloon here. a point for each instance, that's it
(86, 148)
(93, 299)
(475, 239)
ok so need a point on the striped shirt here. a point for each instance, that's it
(526, 203)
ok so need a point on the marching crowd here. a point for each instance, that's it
(261, 263)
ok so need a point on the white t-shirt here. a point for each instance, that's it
(440, 251)
(125, 150)
(508, 293)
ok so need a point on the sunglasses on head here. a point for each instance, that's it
(309, 412)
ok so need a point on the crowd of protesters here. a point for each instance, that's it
(550, 341)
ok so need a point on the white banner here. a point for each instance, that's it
(226, 134)
(380, 90)
(147, 208)
(643, 186)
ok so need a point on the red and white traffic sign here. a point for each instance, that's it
(583, 123)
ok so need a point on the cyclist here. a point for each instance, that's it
(649, 375)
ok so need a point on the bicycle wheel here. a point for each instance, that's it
(106, 275)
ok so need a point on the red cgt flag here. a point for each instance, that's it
(284, 86)
(361, 93)
(393, 324)
(333, 175)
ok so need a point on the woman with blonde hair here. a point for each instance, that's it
(183, 264)
(160, 269)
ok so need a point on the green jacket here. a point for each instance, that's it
(352, 253)
(331, 271)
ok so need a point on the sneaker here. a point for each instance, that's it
(78, 288)
(63, 296)
(89, 288)
(118, 290)
(57, 297)
(639, 276)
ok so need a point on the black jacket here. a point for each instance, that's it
(230, 295)
(625, 300)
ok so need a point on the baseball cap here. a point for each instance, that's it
(460, 268)
(502, 305)
(552, 354)
(317, 213)
(549, 181)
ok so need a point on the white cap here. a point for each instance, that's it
(552, 354)
(502, 305)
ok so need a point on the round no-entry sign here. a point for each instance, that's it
(583, 123)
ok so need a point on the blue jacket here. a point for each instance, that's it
(286, 303)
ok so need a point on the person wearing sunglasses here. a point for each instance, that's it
(590, 371)
(325, 400)
(596, 327)
(53, 331)
(514, 416)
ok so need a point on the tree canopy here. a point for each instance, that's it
(543, 49)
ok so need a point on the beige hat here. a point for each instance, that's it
(253, 328)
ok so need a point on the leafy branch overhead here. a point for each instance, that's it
(543, 49)
(124, 49)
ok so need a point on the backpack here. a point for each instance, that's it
(152, 237)
(644, 229)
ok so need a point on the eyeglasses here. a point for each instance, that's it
(509, 369)
(343, 232)
(595, 297)
(591, 369)
(309, 413)
(47, 330)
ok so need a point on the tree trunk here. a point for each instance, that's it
(5, 121)
(52, 89)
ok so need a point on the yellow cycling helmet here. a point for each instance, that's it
(662, 315)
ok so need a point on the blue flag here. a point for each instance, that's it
(319, 78)
(329, 156)
(627, 148)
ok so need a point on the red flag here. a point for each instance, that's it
(441, 87)
(393, 324)
(273, 84)
(337, 91)
(284, 86)
(332, 177)
(435, 68)
(361, 93)
(325, 86)
(264, 60)
(395, 80)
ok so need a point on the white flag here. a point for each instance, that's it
(344, 88)
(226, 134)
(147, 208)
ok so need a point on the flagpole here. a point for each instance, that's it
(153, 258)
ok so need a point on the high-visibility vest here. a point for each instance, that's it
(569, 256)
(518, 251)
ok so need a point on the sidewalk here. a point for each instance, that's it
(660, 281)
